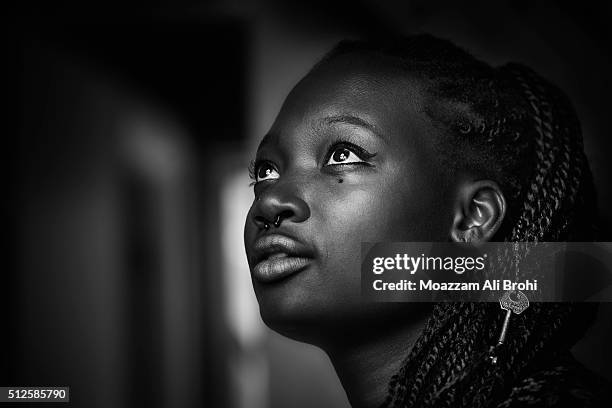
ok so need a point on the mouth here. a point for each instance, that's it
(276, 257)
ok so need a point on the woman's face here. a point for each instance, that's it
(349, 159)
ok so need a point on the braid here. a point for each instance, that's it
(561, 161)
(518, 127)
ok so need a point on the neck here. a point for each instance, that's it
(366, 366)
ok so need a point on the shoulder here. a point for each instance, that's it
(559, 383)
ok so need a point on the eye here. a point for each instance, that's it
(347, 154)
(343, 155)
(264, 171)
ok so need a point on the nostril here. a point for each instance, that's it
(283, 215)
(286, 214)
(261, 222)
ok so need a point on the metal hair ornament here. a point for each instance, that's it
(512, 302)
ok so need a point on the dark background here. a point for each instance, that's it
(131, 127)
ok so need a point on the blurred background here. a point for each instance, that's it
(125, 276)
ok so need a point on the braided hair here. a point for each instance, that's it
(521, 131)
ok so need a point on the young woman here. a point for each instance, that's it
(416, 140)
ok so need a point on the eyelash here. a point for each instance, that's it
(358, 150)
(252, 166)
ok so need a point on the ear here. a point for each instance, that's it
(479, 211)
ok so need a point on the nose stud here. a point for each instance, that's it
(276, 223)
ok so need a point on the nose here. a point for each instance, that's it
(277, 204)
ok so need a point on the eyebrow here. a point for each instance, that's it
(330, 120)
(354, 121)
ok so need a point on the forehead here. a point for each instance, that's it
(354, 85)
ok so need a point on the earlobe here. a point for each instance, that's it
(479, 211)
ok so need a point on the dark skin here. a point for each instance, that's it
(352, 158)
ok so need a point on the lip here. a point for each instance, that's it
(277, 256)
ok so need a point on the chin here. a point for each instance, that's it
(296, 326)
(291, 313)
(298, 315)
(310, 306)
(312, 319)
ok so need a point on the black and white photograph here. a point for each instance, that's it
(270, 204)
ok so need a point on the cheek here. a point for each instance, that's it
(347, 217)
(343, 217)
(387, 210)
(354, 213)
